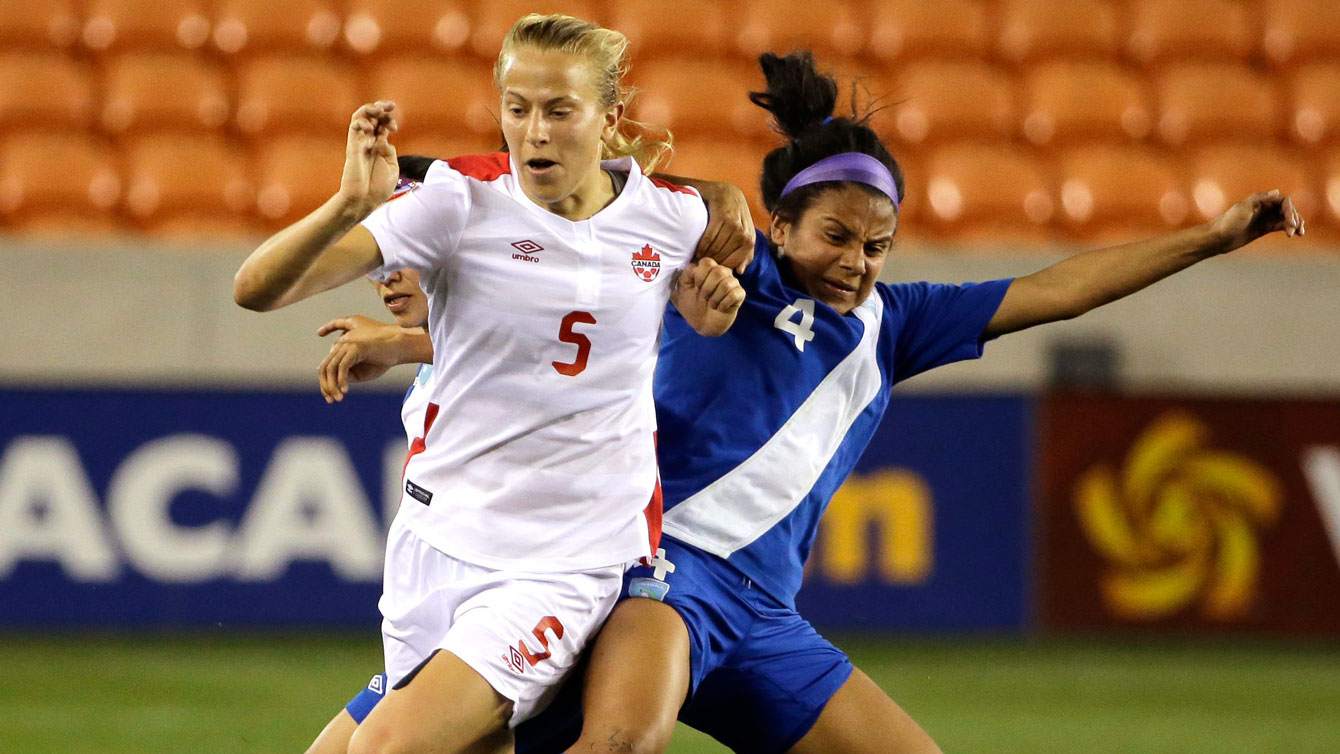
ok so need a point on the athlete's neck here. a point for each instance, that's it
(594, 194)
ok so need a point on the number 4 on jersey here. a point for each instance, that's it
(802, 331)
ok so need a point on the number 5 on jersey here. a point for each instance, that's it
(802, 331)
(567, 335)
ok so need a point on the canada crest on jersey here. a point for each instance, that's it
(646, 263)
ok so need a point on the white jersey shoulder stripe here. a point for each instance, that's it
(744, 504)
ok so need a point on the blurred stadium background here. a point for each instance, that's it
(1114, 534)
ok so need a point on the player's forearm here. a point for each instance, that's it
(281, 270)
(1092, 279)
(414, 346)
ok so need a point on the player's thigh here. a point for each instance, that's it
(862, 719)
(445, 706)
(637, 679)
(334, 738)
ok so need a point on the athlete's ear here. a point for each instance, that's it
(779, 231)
(611, 125)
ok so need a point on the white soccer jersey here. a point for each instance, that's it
(538, 450)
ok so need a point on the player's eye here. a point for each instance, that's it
(836, 239)
(515, 111)
(561, 113)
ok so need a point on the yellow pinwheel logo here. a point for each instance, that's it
(1179, 524)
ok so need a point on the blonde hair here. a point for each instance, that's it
(607, 52)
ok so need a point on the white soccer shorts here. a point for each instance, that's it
(522, 631)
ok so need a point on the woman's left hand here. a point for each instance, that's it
(1261, 213)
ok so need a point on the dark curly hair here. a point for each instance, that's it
(802, 101)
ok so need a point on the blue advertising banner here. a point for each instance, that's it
(190, 508)
(172, 508)
(932, 530)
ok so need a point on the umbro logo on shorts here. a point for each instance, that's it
(527, 249)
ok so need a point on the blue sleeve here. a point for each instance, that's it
(939, 324)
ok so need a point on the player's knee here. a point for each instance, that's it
(370, 739)
(639, 738)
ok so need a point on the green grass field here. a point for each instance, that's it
(202, 695)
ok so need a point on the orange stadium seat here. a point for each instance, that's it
(438, 95)
(1222, 175)
(668, 29)
(1299, 30)
(443, 145)
(1216, 101)
(178, 175)
(1315, 103)
(163, 90)
(398, 26)
(69, 173)
(831, 30)
(975, 187)
(295, 175)
(47, 24)
(929, 28)
(692, 95)
(44, 92)
(283, 93)
(248, 26)
(489, 21)
(124, 24)
(1331, 186)
(64, 225)
(1074, 101)
(1187, 29)
(1034, 29)
(1107, 187)
(733, 162)
(934, 100)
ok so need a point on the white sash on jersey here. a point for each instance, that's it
(743, 505)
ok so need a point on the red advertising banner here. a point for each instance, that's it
(1162, 514)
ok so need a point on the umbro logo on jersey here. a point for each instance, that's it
(526, 250)
(646, 264)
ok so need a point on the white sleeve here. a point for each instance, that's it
(420, 229)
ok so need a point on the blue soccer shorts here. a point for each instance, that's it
(761, 674)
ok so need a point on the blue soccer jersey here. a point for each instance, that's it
(759, 427)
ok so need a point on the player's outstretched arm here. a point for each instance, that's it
(708, 296)
(328, 247)
(729, 237)
(364, 351)
(1089, 280)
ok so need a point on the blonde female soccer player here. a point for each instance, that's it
(534, 480)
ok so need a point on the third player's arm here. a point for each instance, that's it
(1091, 279)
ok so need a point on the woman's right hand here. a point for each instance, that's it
(370, 169)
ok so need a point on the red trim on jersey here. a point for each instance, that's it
(661, 183)
(654, 509)
(420, 443)
(484, 167)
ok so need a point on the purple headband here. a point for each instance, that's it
(848, 166)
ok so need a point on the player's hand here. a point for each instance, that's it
(709, 296)
(364, 351)
(729, 238)
(1261, 213)
(370, 169)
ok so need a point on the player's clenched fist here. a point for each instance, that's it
(709, 296)
(370, 169)
(1261, 213)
